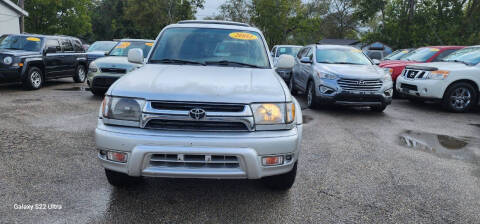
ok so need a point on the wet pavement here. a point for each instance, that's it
(414, 163)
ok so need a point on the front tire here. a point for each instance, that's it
(311, 96)
(460, 97)
(120, 179)
(378, 109)
(80, 74)
(97, 92)
(291, 85)
(282, 182)
(34, 79)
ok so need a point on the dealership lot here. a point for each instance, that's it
(354, 167)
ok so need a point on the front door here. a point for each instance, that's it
(53, 60)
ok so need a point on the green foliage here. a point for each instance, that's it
(69, 17)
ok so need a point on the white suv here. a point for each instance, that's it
(207, 104)
(454, 82)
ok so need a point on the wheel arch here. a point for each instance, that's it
(469, 81)
(38, 64)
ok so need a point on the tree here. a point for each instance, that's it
(69, 17)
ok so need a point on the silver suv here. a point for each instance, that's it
(342, 75)
(207, 104)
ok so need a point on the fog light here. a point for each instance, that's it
(326, 90)
(272, 160)
(117, 157)
(389, 92)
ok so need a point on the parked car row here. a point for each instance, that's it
(335, 74)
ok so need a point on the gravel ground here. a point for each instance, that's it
(414, 163)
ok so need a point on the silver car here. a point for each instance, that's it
(342, 75)
(207, 104)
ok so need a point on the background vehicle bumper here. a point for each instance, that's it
(249, 147)
(428, 89)
(10, 75)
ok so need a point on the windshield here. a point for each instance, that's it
(293, 51)
(469, 55)
(21, 43)
(342, 56)
(210, 46)
(421, 54)
(123, 47)
(397, 55)
(102, 46)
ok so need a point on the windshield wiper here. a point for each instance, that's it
(225, 62)
(458, 61)
(177, 61)
(12, 48)
(342, 63)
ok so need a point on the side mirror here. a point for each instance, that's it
(306, 60)
(376, 61)
(106, 53)
(51, 50)
(135, 56)
(285, 61)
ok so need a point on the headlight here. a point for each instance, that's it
(122, 111)
(92, 67)
(273, 114)
(437, 75)
(388, 70)
(7, 60)
(387, 78)
(323, 75)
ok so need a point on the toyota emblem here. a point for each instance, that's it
(197, 113)
(361, 82)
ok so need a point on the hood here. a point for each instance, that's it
(18, 52)
(115, 62)
(96, 54)
(192, 83)
(400, 64)
(353, 71)
(450, 66)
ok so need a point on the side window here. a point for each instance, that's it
(302, 52)
(67, 46)
(54, 43)
(310, 54)
(77, 45)
(444, 53)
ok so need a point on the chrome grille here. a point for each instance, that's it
(196, 125)
(194, 161)
(360, 85)
(414, 74)
(176, 116)
(114, 70)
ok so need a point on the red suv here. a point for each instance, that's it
(420, 55)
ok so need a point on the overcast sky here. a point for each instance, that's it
(210, 8)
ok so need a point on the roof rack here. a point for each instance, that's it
(219, 22)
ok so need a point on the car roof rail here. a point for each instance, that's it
(218, 22)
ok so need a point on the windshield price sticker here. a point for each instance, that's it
(149, 44)
(242, 36)
(434, 49)
(404, 52)
(33, 39)
(123, 45)
(356, 51)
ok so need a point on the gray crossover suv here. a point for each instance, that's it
(342, 75)
(206, 104)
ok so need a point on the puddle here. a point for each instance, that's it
(444, 146)
(78, 88)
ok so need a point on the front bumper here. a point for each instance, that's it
(249, 147)
(10, 75)
(428, 89)
(333, 94)
(102, 81)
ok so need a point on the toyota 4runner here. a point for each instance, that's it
(206, 104)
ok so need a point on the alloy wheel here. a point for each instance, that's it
(460, 98)
(36, 79)
(310, 95)
(81, 73)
